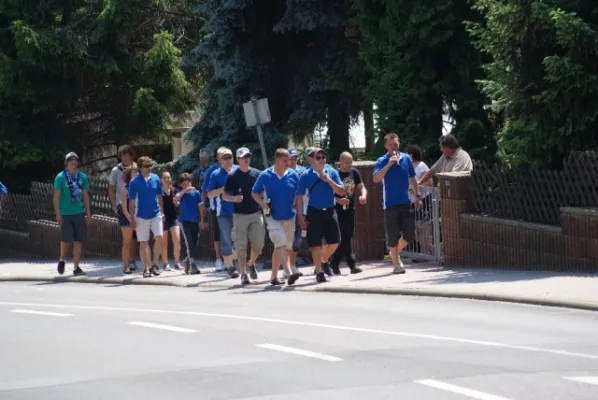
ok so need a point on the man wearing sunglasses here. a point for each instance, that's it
(146, 205)
(248, 221)
(212, 218)
(323, 182)
(224, 209)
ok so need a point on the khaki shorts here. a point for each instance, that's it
(281, 232)
(248, 227)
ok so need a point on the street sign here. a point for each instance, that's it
(257, 112)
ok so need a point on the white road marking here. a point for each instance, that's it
(299, 352)
(590, 380)
(51, 314)
(473, 394)
(326, 326)
(163, 327)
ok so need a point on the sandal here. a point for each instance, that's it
(127, 271)
(147, 274)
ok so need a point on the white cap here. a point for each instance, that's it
(71, 155)
(242, 152)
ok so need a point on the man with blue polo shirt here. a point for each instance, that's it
(224, 209)
(147, 208)
(323, 182)
(212, 218)
(298, 238)
(280, 184)
(396, 172)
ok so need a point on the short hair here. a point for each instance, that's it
(449, 141)
(390, 135)
(143, 160)
(345, 154)
(128, 172)
(414, 151)
(126, 149)
(280, 153)
(185, 176)
(223, 150)
(164, 172)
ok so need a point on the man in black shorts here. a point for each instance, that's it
(396, 172)
(323, 182)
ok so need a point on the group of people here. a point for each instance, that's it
(292, 203)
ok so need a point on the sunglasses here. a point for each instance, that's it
(320, 158)
(226, 158)
(146, 166)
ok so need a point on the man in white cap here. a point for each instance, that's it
(73, 212)
(248, 221)
(297, 237)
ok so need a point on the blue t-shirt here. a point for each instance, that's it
(3, 191)
(145, 192)
(321, 194)
(299, 169)
(206, 183)
(280, 191)
(189, 206)
(217, 180)
(395, 185)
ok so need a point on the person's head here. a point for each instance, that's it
(126, 154)
(130, 172)
(205, 156)
(145, 165)
(448, 145)
(281, 157)
(186, 180)
(319, 159)
(243, 157)
(391, 142)
(346, 160)
(166, 179)
(414, 152)
(225, 156)
(310, 154)
(293, 157)
(71, 161)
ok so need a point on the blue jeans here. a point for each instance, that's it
(225, 223)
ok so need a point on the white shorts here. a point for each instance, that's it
(281, 233)
(145, 226)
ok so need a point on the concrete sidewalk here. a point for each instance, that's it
(542, 288)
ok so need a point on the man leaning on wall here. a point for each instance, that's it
(453, 159)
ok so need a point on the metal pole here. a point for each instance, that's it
(260, 135)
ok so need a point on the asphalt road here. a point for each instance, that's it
(78, 341)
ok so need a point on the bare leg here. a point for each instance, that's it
(292, 257)
(64, 250)
(283, 256)
(243, 264)
(127, 233)
(217, 250)
(76, 253)
(253, 257)
(316, 253)
(133, 249)
(228, 260)
(144, 254)
(175, 233)
(328, 251)
(275, 264)
(157, 249)
(164, 251)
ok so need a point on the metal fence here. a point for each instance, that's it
(427, 244)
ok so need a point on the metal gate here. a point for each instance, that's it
(427, 243)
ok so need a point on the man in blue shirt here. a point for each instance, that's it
(147, 208)
(191, 216)
(3, 194)
(212, 219)
(323, 182)
(396, 172)
(298, 238)
(224, 209)
(280, 184)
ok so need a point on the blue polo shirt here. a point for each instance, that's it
(189, 207)
(321, 194)
(280, 191)
(206, 183)
(217, 180)
(299, 169)
(145, 192)
(395, 185)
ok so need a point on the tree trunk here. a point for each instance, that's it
(338, 126)
(368, 124)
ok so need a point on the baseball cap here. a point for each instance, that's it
(205, 153)
(71, 155)
(318, 150)
(310, 152)
(223, 151)
(243, 152)
(293, 153)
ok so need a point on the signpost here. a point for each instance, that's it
(257, 113)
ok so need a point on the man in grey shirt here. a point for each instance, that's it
(453, 159)
(115, 187)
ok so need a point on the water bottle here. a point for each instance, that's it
(267, 210)
(303, 233)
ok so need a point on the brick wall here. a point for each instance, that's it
(476, 240)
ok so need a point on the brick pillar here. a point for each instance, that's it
(454, 200)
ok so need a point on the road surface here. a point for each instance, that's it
(76, 341)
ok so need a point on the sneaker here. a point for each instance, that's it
(155, 270)
(232, 272)
(60, 267)
(178, 266)
(295, 270)
(320, 277)
(245, 279)
(252, 271)
(132, 265)
(399, 268)
(293, 278)
(275, 282)
(219, 266)
(166, 267)
(147, 274)
(194, 269)
(336, 270)
(356, 270)
(326, 268)
(78, 272)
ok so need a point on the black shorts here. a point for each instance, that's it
(399, 222)
(323, 224)
(214, 226)
(169, 223)
(122, 220)
(73, 228)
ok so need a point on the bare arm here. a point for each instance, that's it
(338, 189)
(124, 201)
(161, 202)
(259, 200)
(202, 212)
(132, 212)
(427, 178)
(112, 196)
(56, 202)
(86, 203)
(363, 192)
(379, 176)
(414, 186)
(228, 197)
(215, 193)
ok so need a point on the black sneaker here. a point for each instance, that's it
(356, 270)
(155, 270)
(187, 267)
(60, 267)
(78, 272)
(232, 272)
(336, 270)
(275, 282)
(293, 278)
(326, 268)
(320, 277)
(194, 269)
(245, 279)
(147, 274)
(132, 265)
(252, 271)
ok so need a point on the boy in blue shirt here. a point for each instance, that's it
(213, 220)
(280, 184)
(224, 209)
(396, 172)
(191, 215)
(298, 239)
(323, 182)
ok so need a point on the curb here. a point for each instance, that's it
(547, 302)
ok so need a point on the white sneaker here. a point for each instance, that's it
(219, 266)
(399, 268)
